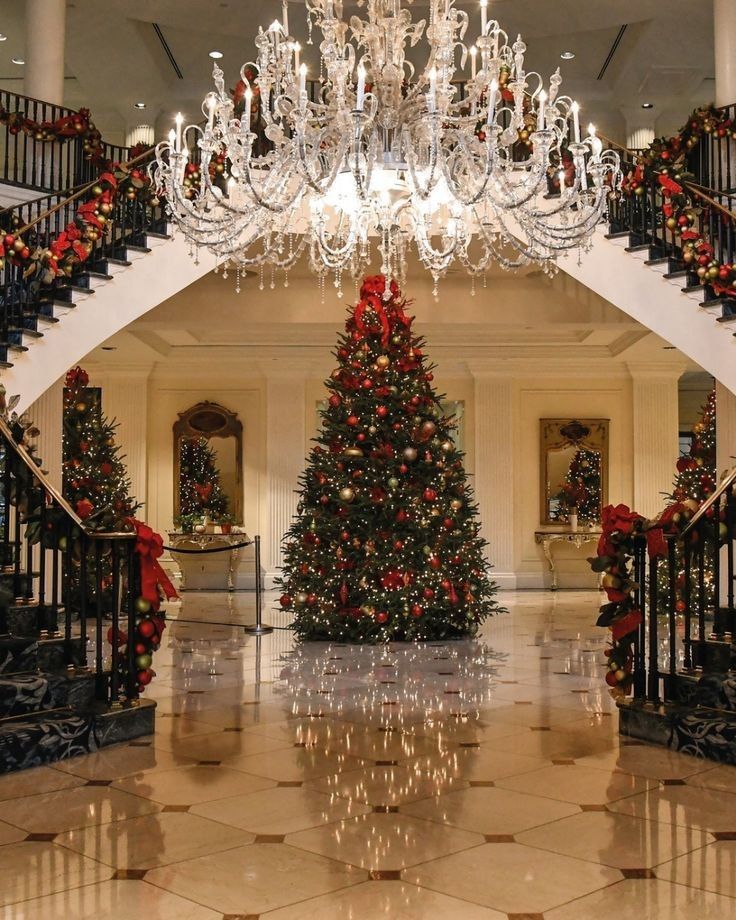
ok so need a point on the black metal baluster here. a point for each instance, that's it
(101, 682)
(82, 598)
(133, 563)
(687, 589)
(701, 593)
(653, 681)
(17, 588)
(115, 652)
(671, 612)
(640, 673)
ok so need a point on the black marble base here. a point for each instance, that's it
(698, 731)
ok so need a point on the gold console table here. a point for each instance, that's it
(548, 538)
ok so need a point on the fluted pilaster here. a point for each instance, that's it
(655, 445)
(125, 400)
(46, 413)
(285, 447)
(494, 470)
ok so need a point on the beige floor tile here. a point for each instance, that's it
(528, 715)
(646, 760)
(489, 810)
(388, 900)
(283, 810)
(647, 899)
(191, 785)
(35, 781)
(485, 764)
(581, 785)
(390, 785)
(120, 760)
(468, 730)
(10, 834)
(113, 900)
(82, 806)
(550, 745)
(154, 840)
(688, 806)
(712, 869)
(256, 878)
(512, 878)
(615, 840)
(243, 716)
(296, 764)
(384, 841)
(30, 870)
(720, 779)
(222, 745)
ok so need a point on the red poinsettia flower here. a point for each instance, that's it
(619, 518)
(84, 508)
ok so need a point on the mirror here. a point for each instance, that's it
(208, 467)
(574, 470)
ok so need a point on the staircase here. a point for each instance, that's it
(684, 667)
(64, 688)
(636, 261)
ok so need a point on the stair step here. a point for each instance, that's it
(675, 275)
(618, 236)
(731, 318)
(22, 694)
(714, 303)
(700, 732)
(21, 654)
(45, 738)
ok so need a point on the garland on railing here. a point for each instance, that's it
(77, 240)
(665, 164)
(76, 125)
(620, 528)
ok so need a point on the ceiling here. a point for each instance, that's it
(114, 56)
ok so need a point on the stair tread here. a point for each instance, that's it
(136, 248)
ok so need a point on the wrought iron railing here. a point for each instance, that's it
(68, 582)
(694, 635)
(45, 165)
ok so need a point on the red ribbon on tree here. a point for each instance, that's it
(372, 301)
(150, 547)
(77, 377)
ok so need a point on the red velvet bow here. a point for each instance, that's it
(150, 547)
(76, 378)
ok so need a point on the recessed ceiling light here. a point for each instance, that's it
(3, 38)
(647, 105)
(139, 105)
(17, 60)
(567, 55)
(216, 55)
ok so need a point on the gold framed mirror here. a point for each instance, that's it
(573, 470)
(208, 466)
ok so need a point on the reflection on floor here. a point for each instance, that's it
(465, 780)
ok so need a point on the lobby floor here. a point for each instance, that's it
(476, 780)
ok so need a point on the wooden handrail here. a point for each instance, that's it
(711, 201)
(78, 194)
(43, 481)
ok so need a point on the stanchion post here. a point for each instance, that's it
(260, 629)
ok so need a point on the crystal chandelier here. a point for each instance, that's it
(470, 159)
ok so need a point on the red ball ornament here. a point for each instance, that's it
(311, 599)
(416, 610)
(352, 420)
(361, 436)
(403, 468)
(415, 400)
(398, 545)
(144, 678)
(448, 523)
(429, 495)
(345, 535)
(434, 562)
(382, 411)
(146, 628)
(285, 600)
(428, 594)
(367, 384)
(335, 400)
(680, 606)
(140, 649)
(401, 516)
(446, 585)
(381, 616)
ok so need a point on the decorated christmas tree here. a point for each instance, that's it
(95, 481)
(695, 481)
(200, 488)
(582, 485)
(386, 544)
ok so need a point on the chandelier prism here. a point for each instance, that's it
(470, 158)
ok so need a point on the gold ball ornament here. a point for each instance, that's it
(346, 494)
(383, 361)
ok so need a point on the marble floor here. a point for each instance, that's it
(476, 780)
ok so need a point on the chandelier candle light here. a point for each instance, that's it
(385, 153)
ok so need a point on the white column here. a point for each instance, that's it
(285, 456)
(47, 415)
(656, 426)
(494, 470)
(140, 134)
(125, 400)
(639, 127)
(724, 23)
(45, 36)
